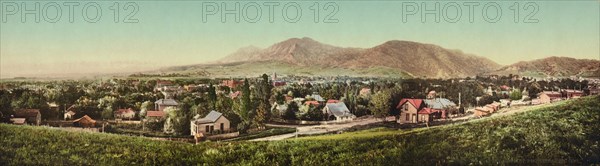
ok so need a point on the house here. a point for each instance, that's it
(570, 93)
(480, 111)
(70, 113)
(32, 116)
(549, 96)
(316, 97)
(441, 104)
(332, 101)
(279, 83)
(161, 104)
(232, 83)
(314, 103)
(207, 124)
(124, 114)
(338, 112)
(155, 115)
(409, 109)
(427, 114)
(18, 121)
(85, 122)
(162, 83)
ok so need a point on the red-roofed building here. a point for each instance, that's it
(549, 96)
(332, 101)
(314, 103)
(409, 109)
(32, 116)
(570, 93)
(232, 83)
(480, 111)
(155, 115)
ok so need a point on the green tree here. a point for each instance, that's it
(380, 104)
(107, 113)
(145, 107)
(212, 96)
(290, 113)
(516, 94)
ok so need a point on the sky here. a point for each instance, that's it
(150, 34)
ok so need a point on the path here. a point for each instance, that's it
(318, 129)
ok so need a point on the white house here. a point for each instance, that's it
(124, 114)
(207, 124)
(338, 112)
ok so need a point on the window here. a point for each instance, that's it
(222, 127)
(207, 129)
(407, 116)
(405, 107)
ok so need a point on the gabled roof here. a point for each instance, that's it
(332, 101)
(415, 102)
(170, 102)
(85, 118)
(338, 109)
(427, 111)
(551, 94)
(70, 113)
(155, 114)
(316, 103)
(212, 117)
(439, 103)
(317, 97)
(26, 113)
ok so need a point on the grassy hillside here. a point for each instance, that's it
(568, 133)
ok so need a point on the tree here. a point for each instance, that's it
(313, 114)
(380, 104)
(516, 94)
(212, 96)
(5, 106)
(261, 115)
(177, 121)
(290, 113)
(107, 113)
(145, 107)
(246, 104)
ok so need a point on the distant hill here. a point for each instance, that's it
(411, 58)
(553, 66)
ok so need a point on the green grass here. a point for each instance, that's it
(565, 134)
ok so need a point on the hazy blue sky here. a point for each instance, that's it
(174, 33)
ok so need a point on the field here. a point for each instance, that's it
(566, 134)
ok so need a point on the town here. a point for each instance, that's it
(271, 107)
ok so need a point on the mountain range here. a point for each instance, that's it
(305, 56)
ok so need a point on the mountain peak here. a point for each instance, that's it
(415, 58)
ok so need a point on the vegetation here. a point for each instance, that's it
(566, 134)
